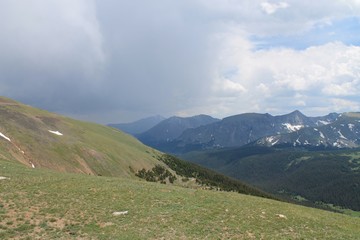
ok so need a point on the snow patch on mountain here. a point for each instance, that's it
(341, 135)
(351, 126)
(56, 132)
(297, 142)
(3, 136)
(322, 122)
(272, 140)
(292, 128)
(340, 143)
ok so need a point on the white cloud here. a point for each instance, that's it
(287, 79)
(271, 8)
(227, 87)
(343, 105)
(342, 89)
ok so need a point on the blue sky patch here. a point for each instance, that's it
(345, 30)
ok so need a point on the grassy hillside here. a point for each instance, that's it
(72, 146)
(330, 177)
(41, 204)
(40, 139)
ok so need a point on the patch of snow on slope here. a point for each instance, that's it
(322, 122)
(292, 128)
(56, 133)
(341, 135)
(272, 140)
(2, 135)
(297, 142)
(322, 135)
(351, 126)
(340, 144)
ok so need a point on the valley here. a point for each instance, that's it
(314, 177)
(311, 160)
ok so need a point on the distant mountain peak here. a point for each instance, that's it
(296, 112)
(138, 126)
(169, 129)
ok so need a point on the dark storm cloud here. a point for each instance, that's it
(158, 54)
(82, 56)
(116, 60)
(51, 52)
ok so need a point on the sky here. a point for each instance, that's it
(112, 61)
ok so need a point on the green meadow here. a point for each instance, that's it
(43, 204)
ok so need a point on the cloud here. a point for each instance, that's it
(283, 79)
(271, 8)
(51, 52)
(117, 60)
(227, 87)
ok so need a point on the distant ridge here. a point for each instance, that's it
(237, 130)
(138, 126)
(171, 128)
(344, 132)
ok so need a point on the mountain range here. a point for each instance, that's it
(344, 132)
(245, 128)
(179, 135)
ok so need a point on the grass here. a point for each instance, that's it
(83, 148)
(41, 204)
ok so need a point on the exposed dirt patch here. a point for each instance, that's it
(107, 224)
(4, 101)
(95, 154)
(50, 121)
(84, 166)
